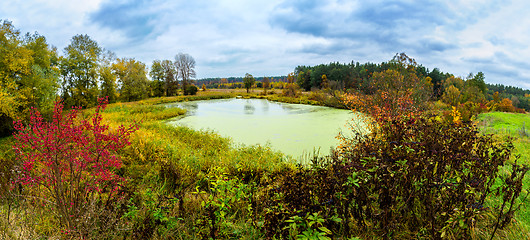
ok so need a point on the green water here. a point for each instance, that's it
(293, 129)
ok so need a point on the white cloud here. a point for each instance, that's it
(232, 37)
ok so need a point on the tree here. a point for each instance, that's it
(107, 77)
(157, 79)
(224, 82)
(132, 76)
(437, 80)
(505, 105)
(40, 86)
(477, 81)
(164, 76)
(453, 81)
(108, 84)
(324, 84)
(249, 81)
(170, 78)
(515, 101)
(303, 79)
(266, 84)
(472, 93)
(79, 70)
(191, 90)
(451, 96)
(185, 66)
(28, 75)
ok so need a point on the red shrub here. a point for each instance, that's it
(70, 160)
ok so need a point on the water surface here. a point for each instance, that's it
(294, 129)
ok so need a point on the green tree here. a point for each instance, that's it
(164, 75)
(157, 79)
(40, 86)
(472, 93)
(437, 80)
(79, 70)
(316, 75)
(170, 78)
(303, 79)
(191, 90)
(249, 81)
(107, 77)
(477, 81)
(132, 76)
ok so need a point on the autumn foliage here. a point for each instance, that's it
(418, 175)
(70, 161)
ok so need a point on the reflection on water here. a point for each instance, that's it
(291, 128)
(249, 107)
(265, 106)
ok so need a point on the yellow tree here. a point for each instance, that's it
(325, 83)
(132, 76)
(291, 88)
(15, 63)
(451, 96)
(224, 82)
(28, 75)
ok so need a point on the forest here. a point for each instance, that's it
(86, 152)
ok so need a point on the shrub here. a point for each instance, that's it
(413, 176)
(70, 162)
(428, 178)
(191, 90)
(506, 106)
(291, 90)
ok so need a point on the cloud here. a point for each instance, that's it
(391, 24)
(130, 17)
(434, 45)
(272, 37)
(399, 14)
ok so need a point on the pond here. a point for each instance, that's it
(294, 129)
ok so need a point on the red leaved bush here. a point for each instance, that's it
(70, 160)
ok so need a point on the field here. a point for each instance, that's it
(512, 125)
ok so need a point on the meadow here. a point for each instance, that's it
(187, 184)
(512, 125)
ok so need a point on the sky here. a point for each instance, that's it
(271, 37)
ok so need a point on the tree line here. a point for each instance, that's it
(34, 74)
(445, 87)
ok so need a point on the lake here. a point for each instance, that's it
(293, 129)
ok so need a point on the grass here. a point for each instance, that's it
(171, 172)
(513, 125)
(162, 161)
